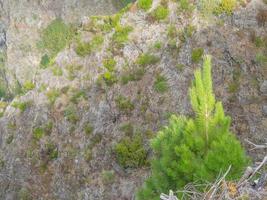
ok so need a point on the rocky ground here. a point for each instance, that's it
(57, 139)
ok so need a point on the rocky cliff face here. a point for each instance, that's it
(58, 137)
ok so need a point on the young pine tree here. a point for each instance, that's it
(194, 149)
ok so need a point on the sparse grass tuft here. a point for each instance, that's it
(84, 49)
(147, 59)
(145, 4)
(197, 54)
(160, 13)
(124, 104)
(160, 84)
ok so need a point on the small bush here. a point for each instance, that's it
(261, 59)
(185, 5)
(109, 78)
(120, 37)
(158, 45)
(130, 152)
(51, 151)
(57, 71)
(197, 54)
(134, 75)
(77, 95)
(71, 114)
(109, 64)
(45, 61)
(160, 13)
(55, 37)
(88, 129)
(52, 95)
(160, 84)
(226, 6)
(124, 104)
(22, 106)
(84, 49)
(38, 133)
(147, 59)
(108, 176)
(145, 4)
(28, 85)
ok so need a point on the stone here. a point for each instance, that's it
(263, 88)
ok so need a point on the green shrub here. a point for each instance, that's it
(51, 151)
(84, 49)
(77, 95)
(261, 59)
(158, 45)
(197, 54)
(52, 95)
(160, 13)
(147, 59)
(109, 78)
(9, 139)
(160, 84)
(22, 106)
(38, 133)
(194, 149)
(71, 114)
(55, 37)
(124, 104)
(121, 34)
(45, 61)
(57, 71)
(226, 6)
(109, 64)
(108, 176)
(28, 85)
(133, 75)
(145, 4)
(130, 152)
(185, 5)
(88, 129)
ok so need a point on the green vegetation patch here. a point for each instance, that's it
(160, 13)
(197, 55)
(130, 152)
(124, 104)
(120, 36)
(86, 48)
(144, 4)
(147, 59)
(52, 95)
(22, 106)
(71, 114)
(160, 84)
(55, 37)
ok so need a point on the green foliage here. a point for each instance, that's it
(130, 152)
(22, 106)
(55, 37)
(109, 64)
(180, 67)
(160, 84)
(24, 194)
(87, 48)
(261, 58)
(9, 139)
(134, 75)
(38, 133)
(145, 4)
(45, 61)
(226, 6)
(77, 95)
(147, 59)
(108, 176)
(52, 95)
(109, 78)
(158, 45)
(194, 149)
(73, 70)
(51, 150)
(124, 104)
(57, 71)
(88, 129)
(28, 85)
(120, 36)
(197, 54)
(185, 5)
(160, 13)
(71, 114)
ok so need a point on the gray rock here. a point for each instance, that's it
(264, 109)
(263, 88)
